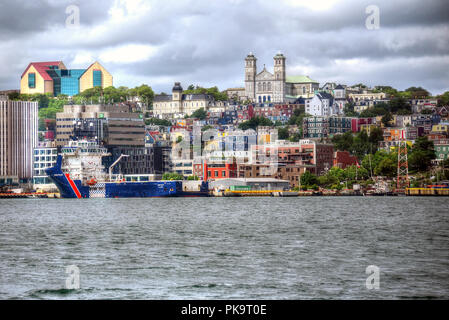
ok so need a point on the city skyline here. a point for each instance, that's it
(204, 43)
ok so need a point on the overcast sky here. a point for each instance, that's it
(204, 42)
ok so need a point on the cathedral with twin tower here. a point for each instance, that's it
(265, 86)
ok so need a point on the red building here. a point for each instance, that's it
(220, 170)
(343, 159)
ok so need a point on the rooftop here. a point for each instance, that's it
(300, 79)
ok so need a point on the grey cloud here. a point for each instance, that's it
(205, 42)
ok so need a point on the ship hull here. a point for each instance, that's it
(69, 188)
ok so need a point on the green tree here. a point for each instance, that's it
(386, 167)
(158, 122)
(172, 176)
(343, 142)
(399, 103)
(422, 154)
(308, 179)
(145, 93)
(418, 92)
(199, 114)
(283, 133)
(443, 99)
(254, 122)
(386, 119)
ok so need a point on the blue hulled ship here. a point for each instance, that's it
(79, 173)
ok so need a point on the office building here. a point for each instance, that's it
(18, 138)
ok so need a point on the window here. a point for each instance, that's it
(31, 80)
(97, 77)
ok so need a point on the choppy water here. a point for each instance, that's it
(225, 248)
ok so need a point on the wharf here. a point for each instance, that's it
(427, 191)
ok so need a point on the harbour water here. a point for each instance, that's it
(225, 248)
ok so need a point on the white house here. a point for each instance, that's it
(322, 104)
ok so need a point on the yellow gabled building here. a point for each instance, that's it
(54, 78)
(95, 76)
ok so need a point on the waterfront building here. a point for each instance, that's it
(140, 160)
(251, 183)
(18, 138)
(179, 103)
(54, 78)
(44, 157)
(316, 157)
(110, 125)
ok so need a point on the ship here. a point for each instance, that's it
(79, 173)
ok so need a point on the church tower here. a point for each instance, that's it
(177, 98)
(250, 76)
(279, 78)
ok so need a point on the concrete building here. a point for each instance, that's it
(18, 138)
(111, 125)
(54, 78)
(253, 183)
(236, 94)
(179, 103)
(44, 157)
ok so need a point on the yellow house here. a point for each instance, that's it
(36, 79)
(95, 76)
(441, 128)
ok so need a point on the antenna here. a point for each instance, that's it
(402, 177)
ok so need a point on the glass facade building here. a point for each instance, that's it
(65, 81)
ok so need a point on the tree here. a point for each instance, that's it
(386, 167)
(308, 179)
(343, 142)
(349, 110)
(145, 93)
(399, 103)
(283, 133)
(443, 99)
(199, 114)
(386, 119)
(190, 178)
(418, 92)
(422, 154)
(213, 91)
(254, 122)
(172, 176)
(157, 122)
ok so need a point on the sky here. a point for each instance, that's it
(205, 42)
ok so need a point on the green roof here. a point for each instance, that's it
(299, 79)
